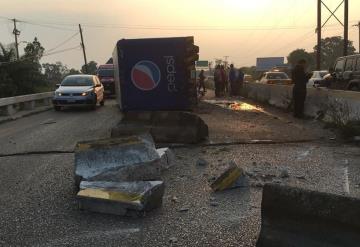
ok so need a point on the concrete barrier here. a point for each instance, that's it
(298, 217)
(319, 101)
(11, 105)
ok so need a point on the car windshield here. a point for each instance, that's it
(277, 76)
(106, 73)
(78, 81)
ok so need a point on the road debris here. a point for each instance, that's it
(201, 162)
(232, 177)
(120, 198)
(284, 173)
(132, 158)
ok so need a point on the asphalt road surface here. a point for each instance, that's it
(38, 206)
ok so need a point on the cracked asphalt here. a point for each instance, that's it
(38, 207)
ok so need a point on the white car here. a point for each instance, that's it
(316, 78)
(280, 78)
(79, 90)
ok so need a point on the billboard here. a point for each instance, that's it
(267, 63)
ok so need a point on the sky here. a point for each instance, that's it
(240, 29)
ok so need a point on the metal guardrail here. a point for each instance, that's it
(9, 106)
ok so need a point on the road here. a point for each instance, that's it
(38, 206)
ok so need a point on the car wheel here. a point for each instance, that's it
(57, 108)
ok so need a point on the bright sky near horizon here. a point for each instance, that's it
(240, 29)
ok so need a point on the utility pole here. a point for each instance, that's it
(346, 26)
(318, 53)
(358, 25)
(16, 33)
(83, 48)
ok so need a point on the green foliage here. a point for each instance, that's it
(91, 68)
(55, 72)
(298, 54)
(23, 76)
(331, 49)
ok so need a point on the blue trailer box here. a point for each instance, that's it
(150, 74)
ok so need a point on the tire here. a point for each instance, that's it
(57, 108)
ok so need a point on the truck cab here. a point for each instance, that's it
(105, 73)
(346, 75)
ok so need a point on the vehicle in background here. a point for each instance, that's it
(105, 73)
(279, 78)
(248, 78)
(317, 78)
(79, 90)
(346, 75)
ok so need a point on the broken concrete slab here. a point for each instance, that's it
(232, 177)
(131, 158)
(167, 157)
(164, 126)
(120, 198)
(299, 217)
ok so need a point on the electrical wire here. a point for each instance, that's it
(45, 54)
(64, 42)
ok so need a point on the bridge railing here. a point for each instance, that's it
(11, 105)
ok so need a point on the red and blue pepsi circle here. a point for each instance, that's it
(145, 75)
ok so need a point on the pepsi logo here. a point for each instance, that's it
(145, 75)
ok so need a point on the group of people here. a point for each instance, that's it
(227, 81)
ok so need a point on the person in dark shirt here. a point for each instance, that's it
(300, 79)
(202, 81)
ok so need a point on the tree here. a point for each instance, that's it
(331, 49)
(55, 72)
(298, 54)
(19, 77)
(91, 68)
(33, 51)
(73, 71)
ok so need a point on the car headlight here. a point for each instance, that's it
(58, 93)
(85, 93)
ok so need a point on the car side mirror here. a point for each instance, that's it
(57, 85)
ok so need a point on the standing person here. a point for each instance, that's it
(202, 81)
(217, 80)
(300, 78)
(232, 80)
(223, 79)
(240, 81)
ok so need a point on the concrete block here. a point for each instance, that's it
(129, 158)
(120, 198)
(167, 157)
(164, 126)
(128, 129)
(232, 177)
(299, 217)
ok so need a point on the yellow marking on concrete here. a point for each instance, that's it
(82, 146)
(110, 195)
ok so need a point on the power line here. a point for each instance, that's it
(45, 54)
(64, 42)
